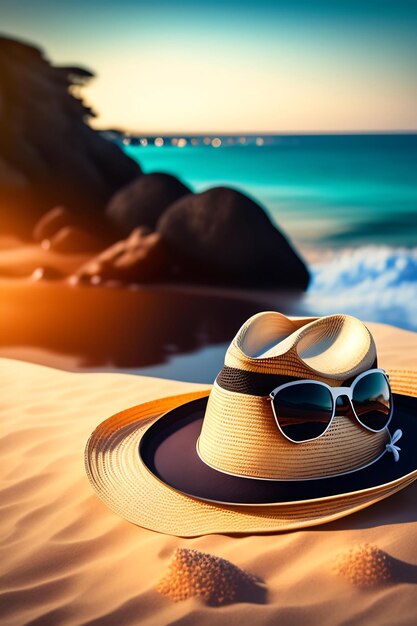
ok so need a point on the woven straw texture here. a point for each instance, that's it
(120, 479)
(331, 349)
(239, 434)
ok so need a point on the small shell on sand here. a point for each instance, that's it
(95, 279)
(194, 573)
(45, 244)
(365, 566)
(46, 273)
(73, 280)
(37, 274)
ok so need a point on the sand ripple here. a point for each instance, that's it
(67, 560)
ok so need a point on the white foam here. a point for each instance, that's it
(376, 283)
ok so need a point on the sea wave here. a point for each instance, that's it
(375, 283)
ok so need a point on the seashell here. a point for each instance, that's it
(365, 566)
(192, 573)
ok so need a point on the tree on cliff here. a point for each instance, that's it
(49, 154)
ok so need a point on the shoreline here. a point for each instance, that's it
(149, 327)
(162, 328)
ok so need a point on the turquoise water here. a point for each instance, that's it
(329, 190)
(355, 196)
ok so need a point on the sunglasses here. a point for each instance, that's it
(304, 409)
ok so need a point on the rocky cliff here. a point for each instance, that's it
(49, 155)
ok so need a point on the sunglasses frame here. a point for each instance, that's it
(335, 393)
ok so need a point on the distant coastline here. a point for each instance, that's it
(181, 139)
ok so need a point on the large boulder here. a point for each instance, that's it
(222, 236)
(49, 155)
(142, 202)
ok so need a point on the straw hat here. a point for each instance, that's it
(215, 461)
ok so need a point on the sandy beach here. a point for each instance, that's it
(68, 560)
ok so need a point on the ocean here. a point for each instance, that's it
(348, 202)
(323, 190)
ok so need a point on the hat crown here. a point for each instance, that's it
(333, 347)
(239, 434)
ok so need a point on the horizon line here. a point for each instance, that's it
(179, 133)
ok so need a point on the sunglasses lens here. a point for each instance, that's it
(371, 400)
(303, 411)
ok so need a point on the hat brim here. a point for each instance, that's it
(169, 451)
(123, 481)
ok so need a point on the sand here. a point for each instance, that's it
(66, 559)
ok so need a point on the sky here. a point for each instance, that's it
(223, 66)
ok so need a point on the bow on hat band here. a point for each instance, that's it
(391, 447)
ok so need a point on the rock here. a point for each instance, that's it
(49, 155)
(70, 241)
(141, 258)
(222, 236)
(50, 223)
(142, 202)
(74, 240)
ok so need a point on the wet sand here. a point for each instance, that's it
(113, 326)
